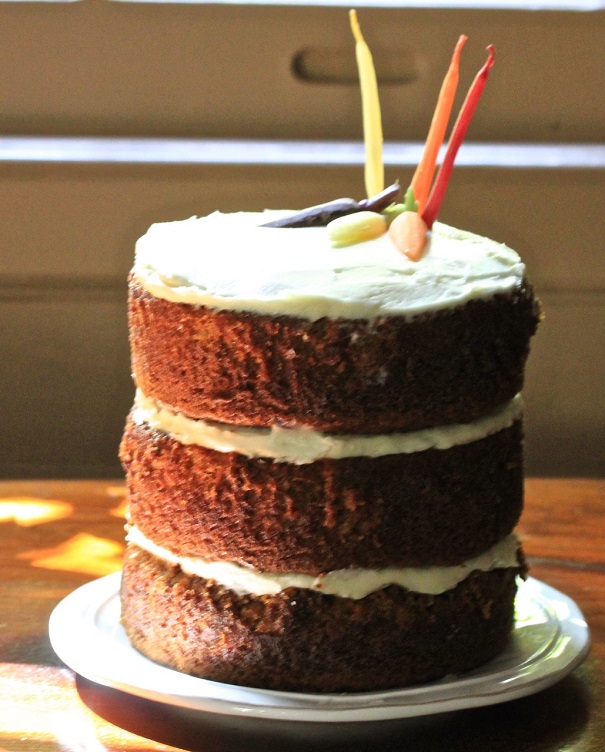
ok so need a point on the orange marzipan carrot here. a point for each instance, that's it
(408, 232)
(421, 182)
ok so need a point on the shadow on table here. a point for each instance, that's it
(549, 720)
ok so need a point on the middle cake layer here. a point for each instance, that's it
(416, 507)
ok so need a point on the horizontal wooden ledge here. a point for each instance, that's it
(182, 151)
(521, 5)
(487, 5)
(42, 288)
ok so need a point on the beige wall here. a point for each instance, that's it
(135, 70)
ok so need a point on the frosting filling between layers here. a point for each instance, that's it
(304, 445)
(230, 262)
(344, 583)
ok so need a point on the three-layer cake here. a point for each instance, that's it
(324, 458)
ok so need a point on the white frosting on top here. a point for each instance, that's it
(345, 583)
(227, 261)
(304, 445)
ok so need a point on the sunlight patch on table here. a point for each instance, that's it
(41, 709)
(83, 553)
(29, 510)
(118, 492)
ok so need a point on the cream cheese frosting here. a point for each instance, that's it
(344, 583)
(231, 262)
(304, 445)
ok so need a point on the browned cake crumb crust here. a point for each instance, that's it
(304, 641)
(436, 507)
(338, 375)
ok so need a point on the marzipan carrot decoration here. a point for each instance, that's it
(408, 233)
(423, 177)
(458, 132)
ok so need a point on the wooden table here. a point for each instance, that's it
(57, 535)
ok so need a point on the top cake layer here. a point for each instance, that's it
(231, 262)
(278, 327)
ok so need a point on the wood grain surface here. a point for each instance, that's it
(57, 535)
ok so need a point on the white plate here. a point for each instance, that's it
(550, 639)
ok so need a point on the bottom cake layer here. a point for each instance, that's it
(302, 640)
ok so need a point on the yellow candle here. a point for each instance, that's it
(372, 124)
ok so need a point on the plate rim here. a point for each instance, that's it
(83, 605)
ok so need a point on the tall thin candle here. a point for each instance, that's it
(458, 132)
(372, 123)
(423, 177)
